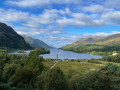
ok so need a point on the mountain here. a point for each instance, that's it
(10, 39)
(36, 43)
(89, 40)
(96, 44)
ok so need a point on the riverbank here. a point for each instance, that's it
(99, 53)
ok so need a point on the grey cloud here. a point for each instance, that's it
(112, 3)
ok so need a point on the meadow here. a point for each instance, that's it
(81, 67)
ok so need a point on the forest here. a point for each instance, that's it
(28, 72)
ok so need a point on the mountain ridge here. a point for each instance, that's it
(95, 44)
(10, 39)
(36, 43)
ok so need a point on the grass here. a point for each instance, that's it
(48, 64)
(81, 67)
(78, 67)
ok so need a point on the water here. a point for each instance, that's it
(64, 54)
(16, 52)
(68, 55)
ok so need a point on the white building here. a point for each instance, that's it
(114, 54)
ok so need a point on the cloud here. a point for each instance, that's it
(50, 24)
(96, 9)
(112, 18)
(63, 40)
(40, 3)
(79, 20)
(112, 3)
(13, 15)
(53, 16)
(101, 34)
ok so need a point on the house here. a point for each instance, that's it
(114, 54)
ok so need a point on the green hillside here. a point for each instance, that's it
(10, 39)
(96, 45)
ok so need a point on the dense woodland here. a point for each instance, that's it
(27, 72)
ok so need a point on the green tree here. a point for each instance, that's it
(24, 77)
(113, 72)
(35, 62)
(55, 80)
(40, 82)
(9, 70)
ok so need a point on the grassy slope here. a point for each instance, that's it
(101, 43)
(85, 45)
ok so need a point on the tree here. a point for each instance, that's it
(113, 72)
(40, 82)
(9, 70)
(24, 77)
(35, 62)
(74, 83)
(55, 80)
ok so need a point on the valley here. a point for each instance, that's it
(59, 44)
(30, 64)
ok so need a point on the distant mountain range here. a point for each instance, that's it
(10, 39)
(97, 44)
(36, 43)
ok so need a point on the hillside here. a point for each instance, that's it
(36, 43)
(95, 44)
(10, 39)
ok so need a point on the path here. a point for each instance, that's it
(54, 65)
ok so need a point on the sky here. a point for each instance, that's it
(61, 22)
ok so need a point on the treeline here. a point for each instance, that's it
(115, 58)
(39, 51)
(95, 49)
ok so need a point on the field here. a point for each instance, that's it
(78, 67)
(48, 64)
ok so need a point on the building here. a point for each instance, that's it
(114, 54)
